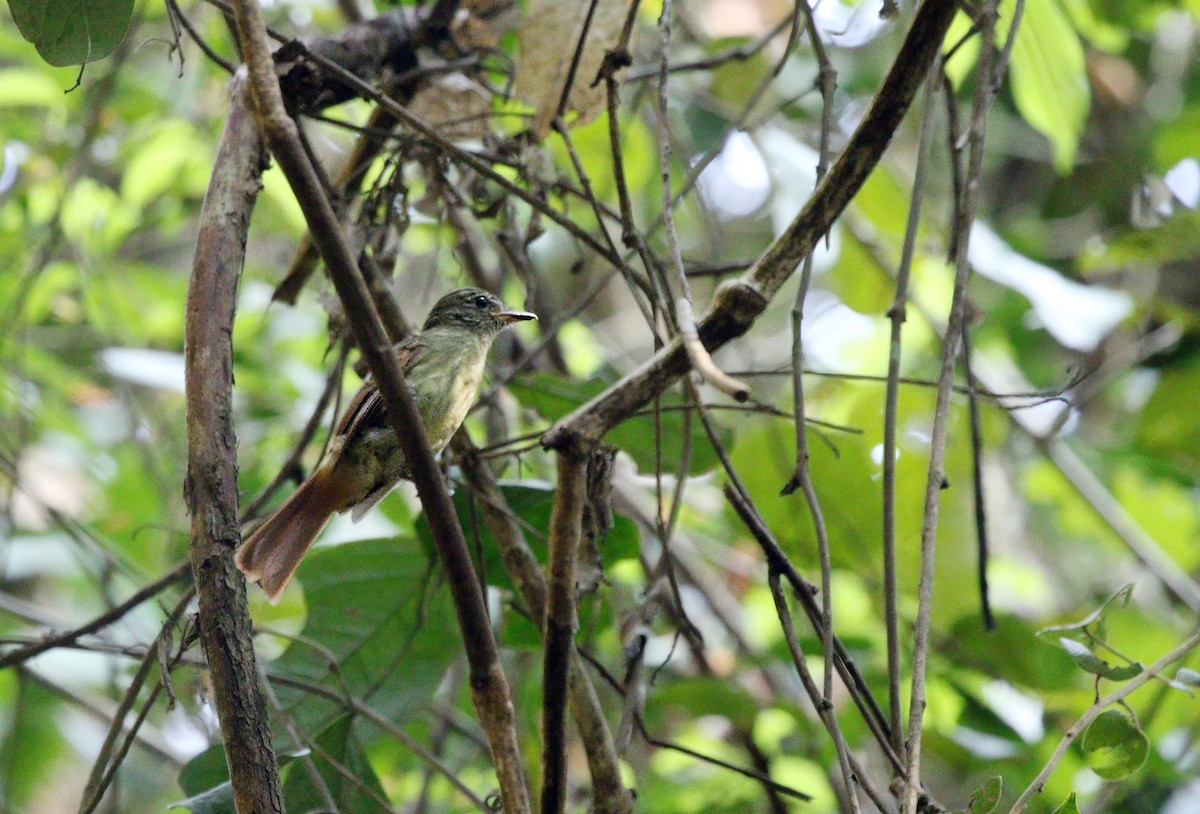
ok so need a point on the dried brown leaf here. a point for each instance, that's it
(548, 38)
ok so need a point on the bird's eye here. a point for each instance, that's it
(481, 301)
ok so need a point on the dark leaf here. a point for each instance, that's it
(554, 397)
(72, 32)
(373, 606)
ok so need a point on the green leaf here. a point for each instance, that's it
(1097, 617)
(554, 397)
(339, 743)
(373, 609)
(1125, 672)
(1068, 806)
(204, 772)
(1049, 80)
(531, 501)
(986, 797)
(206, 780)
(25, 87)
(1177, 239)
(217, 800)
(1115, 745)
(72, 32)
(1047, 72)
(704, 696)
(1084, 657)
(1092, 663)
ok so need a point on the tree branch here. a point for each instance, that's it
(489, 687)
(1094, 710)
(738, 303)
(211, 487)
(559, 626)
(102, 621)
(609, 793)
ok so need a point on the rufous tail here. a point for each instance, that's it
(272, 552)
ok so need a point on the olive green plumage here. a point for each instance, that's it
(443, 366)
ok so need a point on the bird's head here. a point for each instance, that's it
(473, 310)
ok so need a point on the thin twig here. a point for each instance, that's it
(739, 303)
(897, 313)
(1115, 697)
(936, 478)
(107, 763)
(698, 355)
(102, 621)
(980, 506)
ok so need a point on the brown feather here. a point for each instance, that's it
(273, 551)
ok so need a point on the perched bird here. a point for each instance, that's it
(443, 365)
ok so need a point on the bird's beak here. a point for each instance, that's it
(513, 316)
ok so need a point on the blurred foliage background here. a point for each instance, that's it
(1085, 336)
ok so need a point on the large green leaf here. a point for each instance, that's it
(1047, 73)
(72, 32)
(554, 397)
(1049, 80)
(337, 743)
(374, 609)
(531, 501)
(205, 778)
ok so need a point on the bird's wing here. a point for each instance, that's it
(366, 410)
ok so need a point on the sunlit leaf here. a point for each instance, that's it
(1068, 806)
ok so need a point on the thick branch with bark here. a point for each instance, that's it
(489, 687)
(559, 627)
(609, 795)
(739, 303)
(211, 489)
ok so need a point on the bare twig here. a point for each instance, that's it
(802, 474)
(1115, 697)
(897, 313)
(738, 303)
(107, 763)
(685, 317)
(936, 478)
(609, 793)
(102, 621)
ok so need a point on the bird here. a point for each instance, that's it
(443, 365)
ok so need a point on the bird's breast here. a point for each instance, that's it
(450, 392)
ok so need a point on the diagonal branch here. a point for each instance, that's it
(102, 621)
(739, 303)
(489, 687)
